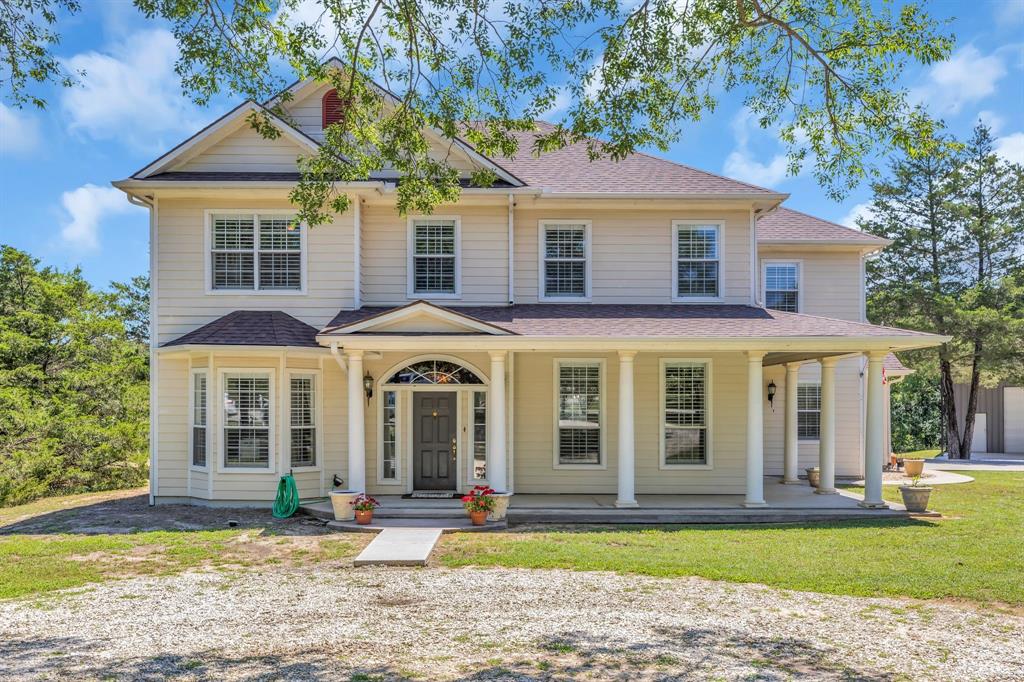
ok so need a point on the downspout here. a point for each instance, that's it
(755, 271)
(153, 374)
(511, 250)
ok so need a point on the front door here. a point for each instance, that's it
(434, 433)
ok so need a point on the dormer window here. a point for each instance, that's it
(331, 108)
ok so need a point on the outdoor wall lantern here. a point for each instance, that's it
(368, 386)
(771, 393)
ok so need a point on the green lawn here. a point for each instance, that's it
(975, 553)
(920, 454)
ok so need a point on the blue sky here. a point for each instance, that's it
(58, 164)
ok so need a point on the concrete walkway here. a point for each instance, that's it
(400, 547)
(981, 461)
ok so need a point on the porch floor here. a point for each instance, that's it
(785, 503)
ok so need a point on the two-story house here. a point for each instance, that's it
(639, 327)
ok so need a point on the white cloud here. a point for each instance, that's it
(86, 207)
(130, 93)
(19, 132)
(741, 164)
(1009, 11)
(994, 121)
(1011, 147)
(967, 76)
(859, 211)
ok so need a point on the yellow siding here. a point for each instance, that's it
(484, 248)
(172, 428)
(535, 436)
(632, 253)
(182, 300)
(247, 150)
(831, 279)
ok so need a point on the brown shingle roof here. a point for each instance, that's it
(571, 170)
(252, 328)
(785, 224)
(643, 320)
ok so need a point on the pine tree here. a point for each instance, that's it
(954, 268)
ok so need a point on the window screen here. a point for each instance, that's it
(247, 415)
(303, 420)
(434, 257)
(685, 424)
(697, 261)
(579, 413)
(781, 286)
(565, 261)
(808, 411)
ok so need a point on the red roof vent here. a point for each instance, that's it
(332, 108)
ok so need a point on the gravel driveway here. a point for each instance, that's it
(370, 624)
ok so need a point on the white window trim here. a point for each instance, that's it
(708, 415)
(808, 441)
(255, 291)
(410, 279)
(471, 435)
(720, 227)
(603, 423)
(381, 387)
(542, 226)
(318, 401)
(799, 263)
(221, 424)
(191, 415)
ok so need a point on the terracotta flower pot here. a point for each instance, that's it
(364, 517)
(478, 518)
(915, 498)
(913, 467)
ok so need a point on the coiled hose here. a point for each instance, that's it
(287, 500)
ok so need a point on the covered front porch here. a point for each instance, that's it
(784, 504)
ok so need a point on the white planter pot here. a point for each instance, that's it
(501, 501)
(341, 500)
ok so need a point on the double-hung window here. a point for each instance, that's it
(198, 435)
(303, 420)
(434, 257)
(808, 411)
(685, 408)
(579, 413)
(248, 415)
(782, 286)
(696, 267)
(565, 260)
(255, 252)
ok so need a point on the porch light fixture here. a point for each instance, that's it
(771, 393)
(368, 386)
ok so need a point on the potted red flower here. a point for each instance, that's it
(364, 506)
(479, 503)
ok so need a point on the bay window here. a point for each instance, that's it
(302, 418)
(247, 419)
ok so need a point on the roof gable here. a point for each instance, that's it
(419, 317)
(231, 127)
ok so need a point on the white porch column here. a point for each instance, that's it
(356, 422)
(873, 437)
(791, 450)
(627, 439)
(827, 435)
(755, 431)
(497, 473)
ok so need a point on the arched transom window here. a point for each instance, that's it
(434, 372)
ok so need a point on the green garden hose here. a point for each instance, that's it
(287, 500)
